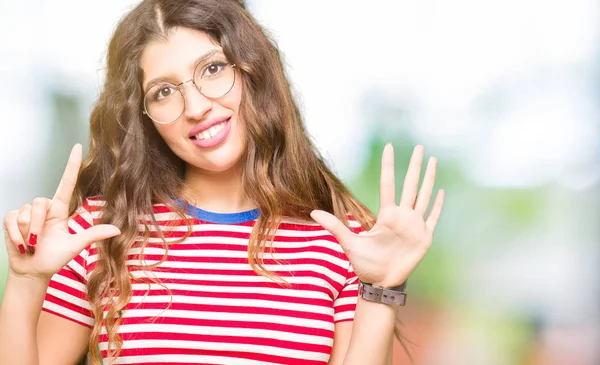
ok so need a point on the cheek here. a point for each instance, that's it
(241, 120)
(241, 131)
(234, 96)
(168, 133)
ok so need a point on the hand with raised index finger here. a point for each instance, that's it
(387, 254)
(37, 237)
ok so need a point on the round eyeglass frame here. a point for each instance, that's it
(178, 87)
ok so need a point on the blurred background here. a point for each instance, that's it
(506, 93)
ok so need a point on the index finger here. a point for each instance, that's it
(69, 179)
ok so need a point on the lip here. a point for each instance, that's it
(216, 140)
(206, 125)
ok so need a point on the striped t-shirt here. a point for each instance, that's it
(219, 311)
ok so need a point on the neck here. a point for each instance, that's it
(217, 192)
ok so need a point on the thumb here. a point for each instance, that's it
(331, 223)
(97, 233)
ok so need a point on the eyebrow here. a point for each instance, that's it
(166, 78)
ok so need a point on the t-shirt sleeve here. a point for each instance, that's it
(66, 295)
(345, 304)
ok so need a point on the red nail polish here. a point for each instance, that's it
(32, 239)
(31, 249)
(22, 249)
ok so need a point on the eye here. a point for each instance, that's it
(213, 69)
(161, 92)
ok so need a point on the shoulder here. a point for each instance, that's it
(354, 225)
(93, 207)
(86, 215)
(311, 228)
(311, 233)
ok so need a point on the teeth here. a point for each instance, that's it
(211, 132)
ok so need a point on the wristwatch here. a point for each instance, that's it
(374, 293)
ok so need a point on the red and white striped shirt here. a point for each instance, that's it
(220, 311)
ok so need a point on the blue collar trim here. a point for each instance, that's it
(223, 218)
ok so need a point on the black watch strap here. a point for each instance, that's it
(391, 296)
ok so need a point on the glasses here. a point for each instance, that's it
(164, 103)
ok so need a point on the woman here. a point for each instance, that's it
(191, 234)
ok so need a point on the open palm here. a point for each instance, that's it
(390, 251)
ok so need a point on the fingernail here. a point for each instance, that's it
(22, 249)
(31, 249)
(32, 239)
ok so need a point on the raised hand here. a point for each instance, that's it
(402, 234)
(37, 237)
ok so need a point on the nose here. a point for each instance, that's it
(196, 104)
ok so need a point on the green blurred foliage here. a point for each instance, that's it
(69, 126)
(476, 221)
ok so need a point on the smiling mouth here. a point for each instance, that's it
(210, 132)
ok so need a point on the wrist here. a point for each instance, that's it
(392, 296)
(23, 299)
(388, 284)
(27, 282)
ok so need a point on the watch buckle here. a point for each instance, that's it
(378, 293)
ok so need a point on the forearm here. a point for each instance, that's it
(19, 314)
(372, 334)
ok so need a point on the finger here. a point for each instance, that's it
(14, 240)
(387, 187)
(411, 181)
(334, 226)
(39, 210)
(62, 197)
(436, 210)
(23, 221)
(94, 234)
(426, 190)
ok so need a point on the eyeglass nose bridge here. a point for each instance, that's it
(181, 89)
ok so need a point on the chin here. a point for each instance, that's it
(223, 158)
(217, 167)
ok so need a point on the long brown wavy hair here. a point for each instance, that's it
(131, 167)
